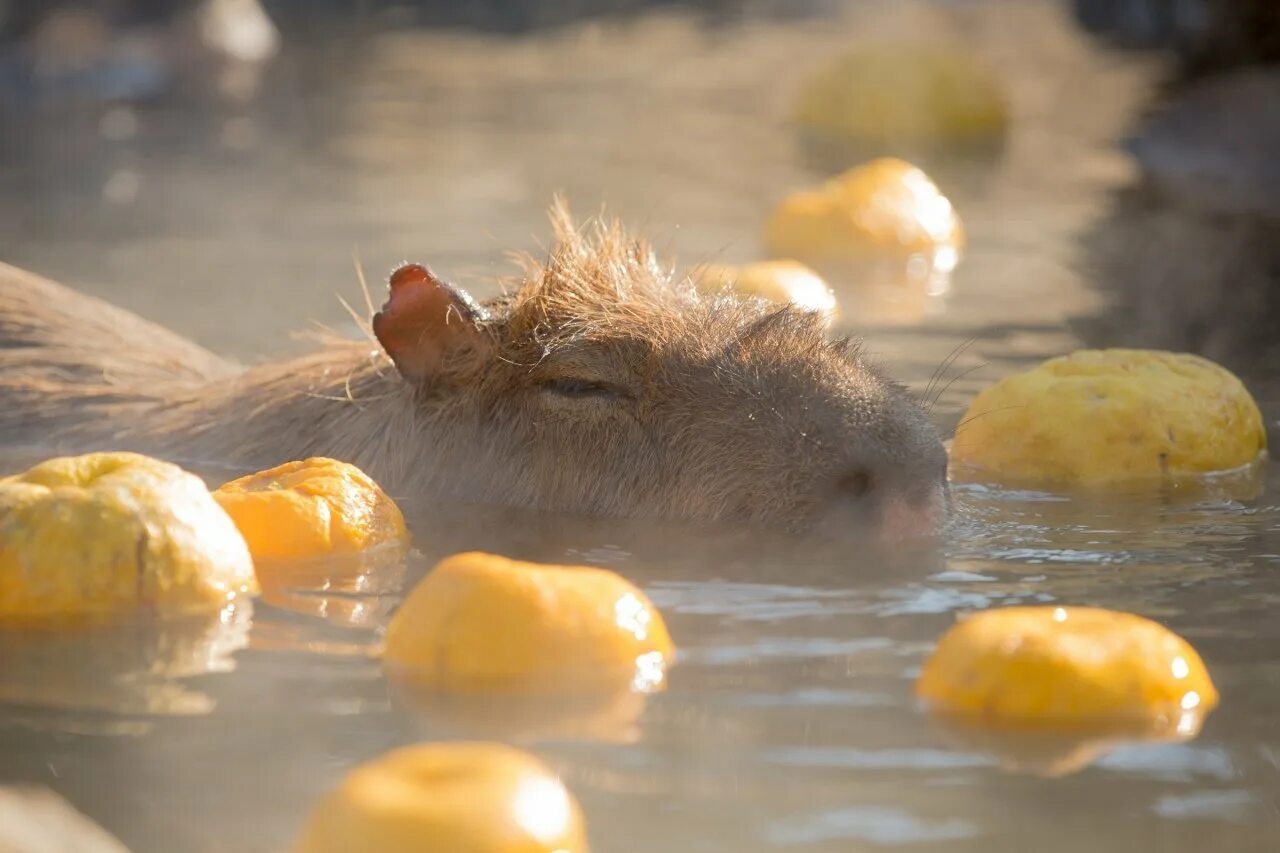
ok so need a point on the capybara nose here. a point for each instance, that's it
(895, 507)
(900, 518)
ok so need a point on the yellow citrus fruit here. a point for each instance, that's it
(480, 622)
(1103, 417)
(777, 281)
(1066, 667)
(311, 508)
(458, 797)
(110, 534)
(905, 94)
(884, 207)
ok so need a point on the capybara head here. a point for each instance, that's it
(605, 385)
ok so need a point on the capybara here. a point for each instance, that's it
(602, 384)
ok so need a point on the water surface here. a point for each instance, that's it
(789, 722)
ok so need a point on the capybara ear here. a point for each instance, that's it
(425, 318)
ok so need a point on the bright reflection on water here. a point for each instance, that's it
(789, 722)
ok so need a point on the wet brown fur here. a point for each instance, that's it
(724, 408)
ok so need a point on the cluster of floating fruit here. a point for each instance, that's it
(106, 538)
(1114, 419)
(1130, 421)
(882, 231)
(884, 227)
(92, 542)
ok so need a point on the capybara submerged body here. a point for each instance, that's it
(601, 385)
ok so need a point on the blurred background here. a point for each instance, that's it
(217, 164)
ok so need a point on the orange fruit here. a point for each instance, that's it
(458, 797)
(110, 534)
(1066, 668)
(1100, 418)
(905, 94)
(479, 622)
(777, 281)
(311, 508)
(884, 208)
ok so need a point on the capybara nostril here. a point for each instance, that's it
(855, 484)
